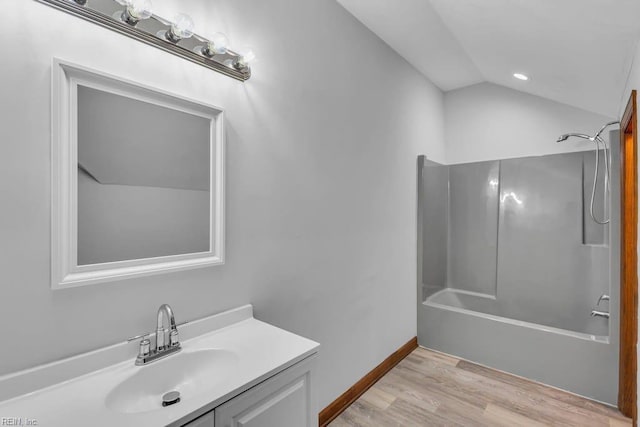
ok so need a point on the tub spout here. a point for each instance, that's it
(597, 313)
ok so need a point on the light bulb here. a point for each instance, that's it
(136, 10)
(181, 28)
(139, 9)
(245, 57)
(218, 44)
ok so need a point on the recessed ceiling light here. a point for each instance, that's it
(520, 76)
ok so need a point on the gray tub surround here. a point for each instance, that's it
(473, 230)
(525, 266)
(434, 211)
(237, 359)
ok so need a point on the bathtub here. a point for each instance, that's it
(470, 326)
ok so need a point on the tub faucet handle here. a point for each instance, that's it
(603, 297)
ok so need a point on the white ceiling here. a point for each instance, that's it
(575, 51)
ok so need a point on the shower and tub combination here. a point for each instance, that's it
(518, 264)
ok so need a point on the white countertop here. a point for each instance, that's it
(260, 350)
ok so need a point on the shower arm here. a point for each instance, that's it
(597, 135)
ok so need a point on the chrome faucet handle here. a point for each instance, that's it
(173, 338)
(138, 337)
(145, 348)
(603, 297)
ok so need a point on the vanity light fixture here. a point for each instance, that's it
(135, 18)
(521, 76)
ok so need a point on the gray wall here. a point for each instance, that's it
(318, 238)
(489, 122)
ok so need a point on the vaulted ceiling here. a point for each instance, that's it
(577, 52)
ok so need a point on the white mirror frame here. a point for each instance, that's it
(65, 271)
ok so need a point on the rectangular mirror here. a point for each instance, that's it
(137, 179)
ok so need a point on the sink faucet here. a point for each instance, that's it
(165, 311)
(163, 348)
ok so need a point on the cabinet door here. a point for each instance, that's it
(207, 420)
(285, 400)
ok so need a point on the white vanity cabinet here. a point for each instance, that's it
(233, 371)
(285, 400)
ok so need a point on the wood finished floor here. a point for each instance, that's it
(433, 389)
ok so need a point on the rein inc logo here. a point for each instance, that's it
(18, 421)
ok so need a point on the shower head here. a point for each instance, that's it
(593, 138)
(566, 136)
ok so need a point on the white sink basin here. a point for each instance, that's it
(189, 372)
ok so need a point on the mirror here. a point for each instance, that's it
(137, 180)
(143, 179)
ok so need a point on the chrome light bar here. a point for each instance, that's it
(134, 18)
